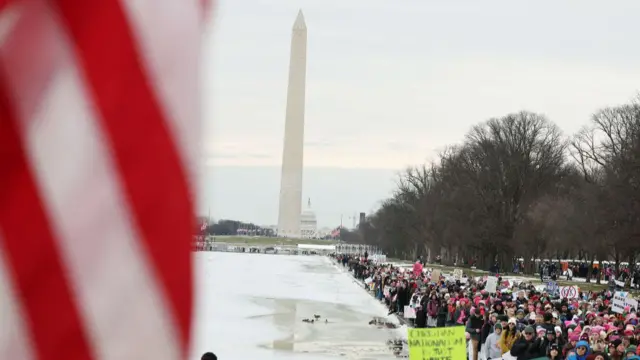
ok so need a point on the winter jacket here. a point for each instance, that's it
(583, 357)
(527, 350)
(487, 329)
(461, 316)
(539, 348)
(491, 346)
(403, 297)
(417, 269)
(442, 316)
(421, 318)
(451, 315)
(506, 342)
(432, 308)
(474, 325)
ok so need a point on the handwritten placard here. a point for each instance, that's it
(622, 300)
(492, 284)
(435, 276)
(447, 343)
(409, 312)
(457, 273)
(617, 305)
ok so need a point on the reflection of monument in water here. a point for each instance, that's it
(289, 214)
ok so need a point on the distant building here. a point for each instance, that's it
(324, 233)
(308, 223)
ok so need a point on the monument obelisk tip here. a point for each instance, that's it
(300, 24)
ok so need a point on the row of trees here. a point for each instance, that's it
(517, 188)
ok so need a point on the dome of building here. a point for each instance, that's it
(308, 223)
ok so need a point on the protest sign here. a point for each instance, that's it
(569, 292)
(621, 300)
(457, 274)
(435, 275)
(492, 284)
(409, 312)
(437, 343)
(631, 303)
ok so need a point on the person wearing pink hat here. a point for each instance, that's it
(629, 330)
(574, 337)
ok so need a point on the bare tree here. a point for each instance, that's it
(517, 188)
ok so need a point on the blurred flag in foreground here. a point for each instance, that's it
(99, 126)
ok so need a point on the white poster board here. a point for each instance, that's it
(492, 284)
(457, 274)
(435, 275)
(569, 292)
(409, 312)
(620, 300)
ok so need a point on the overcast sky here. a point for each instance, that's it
(389, 83)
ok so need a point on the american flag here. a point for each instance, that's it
(99, 124)
(336, 232)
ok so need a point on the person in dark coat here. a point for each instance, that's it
(487, 328)
(421, 313)
(403, 296)
(442, 314)
(498, 308)
(528, 347)
(474, 328)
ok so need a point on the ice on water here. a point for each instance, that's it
(251, 306)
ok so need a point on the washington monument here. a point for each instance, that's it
(293, 151)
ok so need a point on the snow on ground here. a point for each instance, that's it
(251, 306)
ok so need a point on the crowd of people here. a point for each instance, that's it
(516, 321)
(607, 273)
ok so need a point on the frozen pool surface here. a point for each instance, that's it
(251, 306)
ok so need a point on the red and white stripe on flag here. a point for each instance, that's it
(99, 124)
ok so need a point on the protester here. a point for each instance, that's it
(474, 326)
(491, 346)
(582, 351)
(554, 353)
(432, 310)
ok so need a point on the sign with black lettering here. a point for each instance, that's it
(448, 343)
